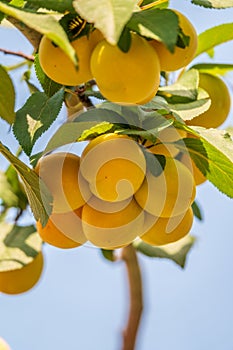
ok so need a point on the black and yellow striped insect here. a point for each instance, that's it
(76, 25)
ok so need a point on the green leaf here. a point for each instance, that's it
(148, 134)
(213, 155)
(11, 191)
(108, 254)
(68, 133)
(213, 68)
(99, 129)
(156, 24)
(35, 117)
(7, 194)
(49, 86)
(44, 24)
(38, 194)
(183, 90)
(188, 111)
(176, 252)
(7, 97)
(99, 115)
(197, 211)
(19, 245)
(17, 187)
(217, 4)
(109, 16)
(214, 36)
(57, 5)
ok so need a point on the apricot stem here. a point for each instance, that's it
(130, 259)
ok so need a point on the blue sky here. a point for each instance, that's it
(81, 299)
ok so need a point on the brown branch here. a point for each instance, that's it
(19, 54)
(33, 36)
(129, 256)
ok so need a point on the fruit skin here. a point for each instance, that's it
(199, 178)
(60, 172)
(164, 144)
(127, 78)
(63, 230)
(4, 345)
(112, 225)
(167, 230)
(220, 102)
(169, 194)
(114, 165)
(181, 57)
(58, 66)
(21, 280)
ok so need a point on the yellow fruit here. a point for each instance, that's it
(180, 57)
(169, 194)
(58, 66)
(164, 144)
(4, 345)
(63, 230)
(129, 77)
(60, 172)
(114, 165)
(220, 102)
(21, 280)
(199, 178)
(112, 225)
(167, 230)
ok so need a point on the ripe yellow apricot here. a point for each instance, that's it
(60, 172)
(169, 194)
(199, 178)
(63, 230)
(114, 165)
(167, 230)
(164, 144)
(112, 225)
(129, 77)
(220, 102)
(21, 280)
(58, 66)
(181, 57)
(4, 345)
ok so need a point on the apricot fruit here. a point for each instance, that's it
(23, 279)
(181, 57)
(220, 102)
(169, 194)
(114, 165)
(58, 66)
(60, 172)
(167, 230)
(126, 77)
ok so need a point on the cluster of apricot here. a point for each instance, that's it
(130, 77)
(110, 196)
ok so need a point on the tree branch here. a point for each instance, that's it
(129, 256)
(19, 54)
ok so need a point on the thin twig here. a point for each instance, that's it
(129, 256)
(19, 54)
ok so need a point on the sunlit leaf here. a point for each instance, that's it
(38, 195)
(214, 36)
(19, 245)
(7, 97)
(176, 252)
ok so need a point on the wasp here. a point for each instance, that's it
(76, 25)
